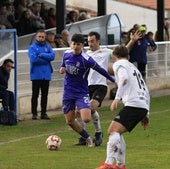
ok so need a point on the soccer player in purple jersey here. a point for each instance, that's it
(76, 65)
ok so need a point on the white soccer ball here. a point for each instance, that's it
(53, 142)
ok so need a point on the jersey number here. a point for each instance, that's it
(139, 79)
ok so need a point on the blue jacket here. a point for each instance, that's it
(138, 53)
(40, 56)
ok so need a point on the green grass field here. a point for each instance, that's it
(23, 146)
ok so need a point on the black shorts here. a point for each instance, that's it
(97, 92)
(129, 117)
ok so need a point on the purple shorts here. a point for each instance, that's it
(80, 102)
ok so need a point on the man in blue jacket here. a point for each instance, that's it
(40, 54)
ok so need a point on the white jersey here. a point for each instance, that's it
(102, 57)
(131, 86)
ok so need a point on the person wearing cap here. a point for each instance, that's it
(49, 38)
(138, 51)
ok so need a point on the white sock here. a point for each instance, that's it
(96, 121)
(121, 155)
(113, 146)
(81, 122)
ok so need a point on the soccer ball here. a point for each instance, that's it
(53, 142)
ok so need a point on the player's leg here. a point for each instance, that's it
(83, 106)
(79, 119)
(120, 162)
(126, 120)
(113, 145)
(97, 95)
(85, 111)
(81, 140)
(71, 121)
(96, 122)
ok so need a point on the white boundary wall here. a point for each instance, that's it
(158, 76)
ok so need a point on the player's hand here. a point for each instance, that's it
(145, 122)
(62, 70)
(114, 104)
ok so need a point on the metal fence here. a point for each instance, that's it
(158, 66)
(158, 73)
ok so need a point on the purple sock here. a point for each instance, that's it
(84, 134)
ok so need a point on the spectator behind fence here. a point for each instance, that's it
(44, 10)
(50, 21)
(11, 14)
(166, 31)
(20, 6)
(4, 21)
(50, 36)
(25, 24)
(40, 54)
(83, 16)
(65, 38)
(58, 40)
(6, 95)
(72, 17)
(138, 51)
(35, 15)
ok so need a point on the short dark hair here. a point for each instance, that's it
(96, 34)
(8, 60)
(121, 51)
(78, 38)
(40, 30)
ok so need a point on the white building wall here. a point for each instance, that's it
(130, 14)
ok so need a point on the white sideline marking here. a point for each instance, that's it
(35, 136)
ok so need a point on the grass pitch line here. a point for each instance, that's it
(30, 137)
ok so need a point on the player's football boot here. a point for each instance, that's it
(107, 166)
(124, 167)
(81, 142)
(98, 138)
(90, 142)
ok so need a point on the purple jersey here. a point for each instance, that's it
(77, 69)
